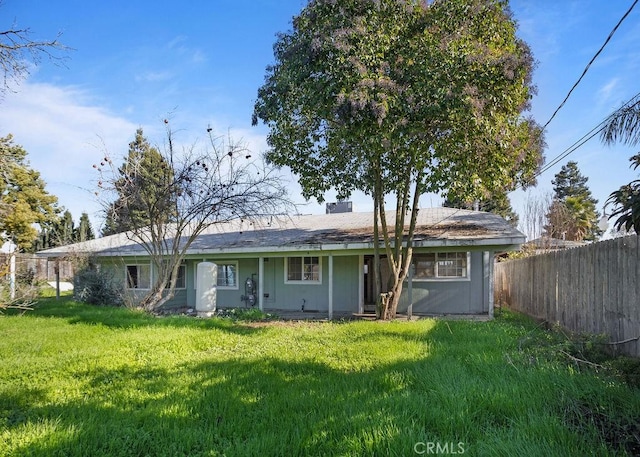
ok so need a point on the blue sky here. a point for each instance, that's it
(135, 63)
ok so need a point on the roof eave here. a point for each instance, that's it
(502, 243)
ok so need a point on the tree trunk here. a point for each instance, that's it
(155, 299)
(389, 301)
(394, 299)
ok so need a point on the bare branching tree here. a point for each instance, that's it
(18, 51)
(534, 214)
(184, 194)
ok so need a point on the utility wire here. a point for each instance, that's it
(589, 64)
(584, 139)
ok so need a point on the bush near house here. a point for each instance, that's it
(82, 380)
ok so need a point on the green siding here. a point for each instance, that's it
(448, 296)
(292, 297)
(346, 282)
(428, 297)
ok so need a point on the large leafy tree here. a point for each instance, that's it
(399, 98)
(169, 197)
(573, 214)
(624, 126)
(24, 201)
(145, 170)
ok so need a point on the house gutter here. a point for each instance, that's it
(503, 243)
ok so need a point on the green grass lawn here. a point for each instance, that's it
(77, 380)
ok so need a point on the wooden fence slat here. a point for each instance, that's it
(593, 289)
(41, 268)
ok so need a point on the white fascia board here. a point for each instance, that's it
(503, 244)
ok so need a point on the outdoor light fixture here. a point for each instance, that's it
(603, 223)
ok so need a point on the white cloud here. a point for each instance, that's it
(154, 76)
(64, 133)
(605, 92)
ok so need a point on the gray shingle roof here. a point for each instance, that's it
(435, 227)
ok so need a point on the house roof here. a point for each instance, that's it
(436, 227)
(548, 243)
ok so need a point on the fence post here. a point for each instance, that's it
(57, 271)
(12, 275)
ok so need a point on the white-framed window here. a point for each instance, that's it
(441, 265)
(138, 276)
(305, 269)
(181, 281)
(227, 275)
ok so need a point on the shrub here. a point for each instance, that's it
(96, 287)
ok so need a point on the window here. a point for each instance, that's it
(305, 269)
(139, 276)
(181, 281)
(227, 275)
(452, 265)
(441, 265)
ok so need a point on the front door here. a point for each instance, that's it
(369, 282)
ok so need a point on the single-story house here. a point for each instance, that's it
(324, 263)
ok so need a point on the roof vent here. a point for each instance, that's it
(339, 207)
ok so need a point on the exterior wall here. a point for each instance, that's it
(292, 297)
(116, 268)
(277, 294)
(225, 298)
(449, 296)
(444, 296)
(346, 282)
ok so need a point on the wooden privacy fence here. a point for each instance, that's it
(592, 289)
(41, 269)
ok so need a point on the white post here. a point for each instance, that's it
(410, 292)
(491, 283)
(330, 286)
(57, 271)
(12, 275)
(361, 284)
(260, 283)
(487, 278)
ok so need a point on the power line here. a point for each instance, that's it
(584, 139)
(589, 64)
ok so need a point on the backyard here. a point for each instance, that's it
(80, 380)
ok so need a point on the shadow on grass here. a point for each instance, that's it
(460, 389)
(120, 317)
(266, 408)
(273, 406)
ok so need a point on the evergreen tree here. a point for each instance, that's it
(146, 171)
(24, 201)
(84, 231)
(65, 230)
(573, 215)
(569, 182)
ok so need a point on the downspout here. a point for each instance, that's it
(330, 286)
(260, 283)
